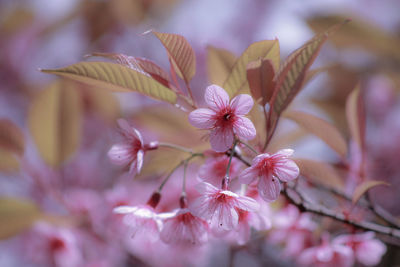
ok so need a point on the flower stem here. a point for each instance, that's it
(250, 147)
(185, 161)
(226, 180)
(174, 146)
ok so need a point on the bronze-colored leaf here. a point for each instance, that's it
(320, 128)
(219, 64)
(116, 77)
(362, 188)
(268, 49)
(8, 161)
(180, 53)
(355, 114)
(360, 33)
(16, 215)
(11, 137)
(55, 122)
(260, 75)
(320, 172)
(291, 75)
(139, 64)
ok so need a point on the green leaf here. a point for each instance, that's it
(117, 78)
(320, 128)
(291, 75)
(180, 53)
(11, 137)
(268, 49)
(362, 188)
(55, 121)
(219, 64)
(16, 215)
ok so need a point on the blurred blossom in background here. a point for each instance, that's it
(74, 202)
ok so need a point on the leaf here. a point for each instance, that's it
(362, 188)
(321, 128)
(115, 77)
(291, 75)
(219, 64)
(139, 64)
(268, 49)
(55, 121)
(16, 215)
(11, 137)
(181, 54)
(320, 172)
(360, 34)
(101, 102)
(260, 75)
(8, 161)
(355, 114)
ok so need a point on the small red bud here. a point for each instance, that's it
(154, 200)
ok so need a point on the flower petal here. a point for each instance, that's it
(248, 175)
(247, 203)
(285, 152)
(288, 171)
(216, 97)
(121, 154)
(244, 128)
(202, 118)
(269, 188)
(221, 139)
(242, 104)
(129, 131)
(139, 160)
(124, 209)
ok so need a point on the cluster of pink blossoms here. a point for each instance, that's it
(222, 212)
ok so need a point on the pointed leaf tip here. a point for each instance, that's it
(362, 188)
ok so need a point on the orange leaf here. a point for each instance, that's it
(355, 114)
(362, 188)
(180, 53)
(219, 64)
(320, 172)
(321, 128)
(290, 78)
(260, 75)
(11, 137)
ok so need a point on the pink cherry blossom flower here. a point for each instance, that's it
(367, 249)
(142, 220)
(327, 255)
(214, 169)
(219, 207)
(270, 169)
(131, 150)
(224, 119)
(184, 229)
(294, 229)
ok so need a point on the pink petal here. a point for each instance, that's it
(259, 158)
(269, 188)
(244, 128)
(121, 154)
(206, 188)
(139, 160)
(285, 152)
(221, 139)
(288, 171)
(216, 97)
(202, 118)
(370, 252)
(242, 104)
(247, 203)
(129, 131)
(248, 175)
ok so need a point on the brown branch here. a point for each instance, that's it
(299, 200)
